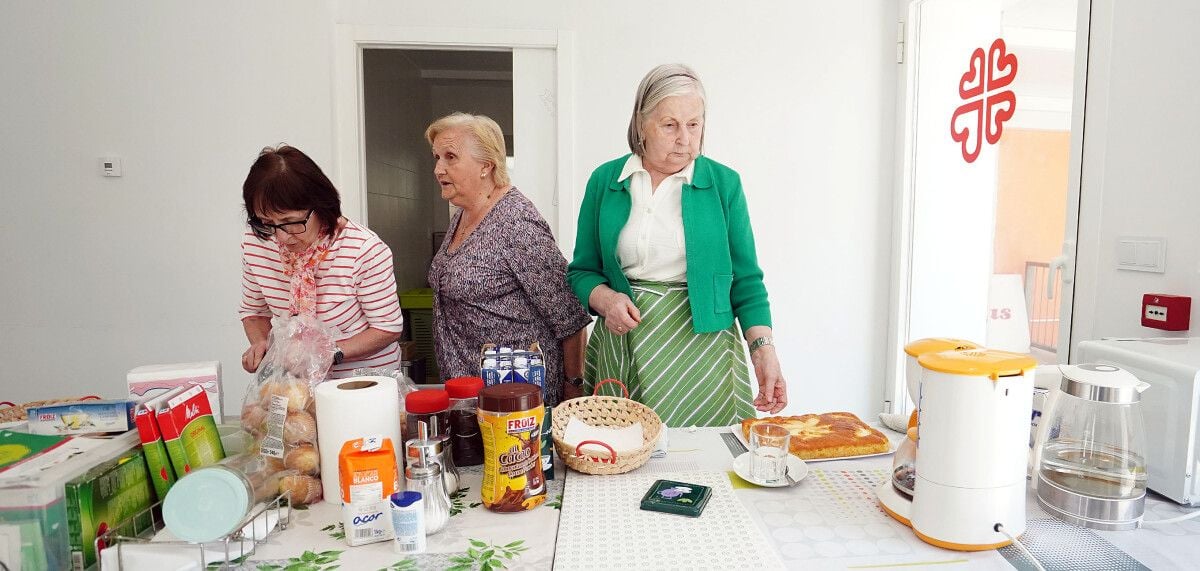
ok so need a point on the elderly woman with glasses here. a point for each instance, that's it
(301, 256)
(665, 255)
(498, 276)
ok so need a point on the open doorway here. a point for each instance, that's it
(404, 90)
(990, 146)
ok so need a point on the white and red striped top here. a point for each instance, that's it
(356, 289)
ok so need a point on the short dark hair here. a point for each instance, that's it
(284, 178)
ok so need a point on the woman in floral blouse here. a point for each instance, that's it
(498, 276)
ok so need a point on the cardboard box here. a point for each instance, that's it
(162, 474)
(82, 417)
(507, 366)
(151, 381)
(189, 431)
(114, 495)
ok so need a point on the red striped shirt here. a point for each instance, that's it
(356, 289)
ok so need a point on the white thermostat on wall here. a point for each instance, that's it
(110, 166)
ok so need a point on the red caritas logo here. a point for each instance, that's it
(988, 105)
(522, 424)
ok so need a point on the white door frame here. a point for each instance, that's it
(895, 396)
(349, 111)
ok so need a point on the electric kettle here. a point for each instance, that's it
(1091, 468)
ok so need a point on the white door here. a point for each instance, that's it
(988, 185)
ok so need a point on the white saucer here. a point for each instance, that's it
(796, 468)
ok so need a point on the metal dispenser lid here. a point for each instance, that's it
(1101, 383)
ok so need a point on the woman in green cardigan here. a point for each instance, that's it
(665, 256)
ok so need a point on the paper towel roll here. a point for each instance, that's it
(353, 408)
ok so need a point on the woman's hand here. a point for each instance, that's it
(258, 333)
(254, 355)
(772, 389)
(619, 313)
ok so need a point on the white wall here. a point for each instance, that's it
(105, 274)
(1141, 173)
(145, 268)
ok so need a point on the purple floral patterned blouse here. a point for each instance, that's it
(506, 284)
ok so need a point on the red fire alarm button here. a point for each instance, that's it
(1166, 312)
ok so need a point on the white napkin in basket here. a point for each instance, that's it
(625, 439)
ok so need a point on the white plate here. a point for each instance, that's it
(737, 432)
(797, 469)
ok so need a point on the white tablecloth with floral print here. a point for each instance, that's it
(828, 521)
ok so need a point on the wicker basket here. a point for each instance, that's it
(607, 412)
(10, 412)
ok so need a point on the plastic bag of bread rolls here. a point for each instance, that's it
(279, 409)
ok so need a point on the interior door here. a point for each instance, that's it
(988, 183)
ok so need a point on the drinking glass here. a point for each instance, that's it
(769, 444)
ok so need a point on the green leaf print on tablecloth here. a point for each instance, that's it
(408, 564)
(335, 530)
(307, 561)
(556, 503)
(456, 501)
(487, 556)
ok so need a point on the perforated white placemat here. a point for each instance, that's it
(603, 527)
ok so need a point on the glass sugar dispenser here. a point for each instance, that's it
(424, 474)
(1091, 468)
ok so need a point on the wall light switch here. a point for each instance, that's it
(1142, 254)
(110, 166)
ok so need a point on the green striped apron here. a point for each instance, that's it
(688, 378)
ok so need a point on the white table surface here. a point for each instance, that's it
(829, 521)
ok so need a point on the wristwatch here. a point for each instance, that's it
(760, 343)
(338, 356)
(576, 382)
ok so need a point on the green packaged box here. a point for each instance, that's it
(114, 495)
(676, 498)
(190, 432)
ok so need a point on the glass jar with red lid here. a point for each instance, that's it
(431, 406)
(466, 443)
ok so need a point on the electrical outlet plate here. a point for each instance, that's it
(1142, 254)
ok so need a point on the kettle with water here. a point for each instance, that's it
(1091, 468)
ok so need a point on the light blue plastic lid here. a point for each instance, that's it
(206, 505)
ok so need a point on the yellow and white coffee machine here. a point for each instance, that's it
(970, 450)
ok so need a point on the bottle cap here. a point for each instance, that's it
(464, 387)
(405, 499)
(510, 397)
(426, 401)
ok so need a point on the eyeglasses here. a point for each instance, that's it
(265, 230)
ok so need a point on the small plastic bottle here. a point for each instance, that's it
(408, 521)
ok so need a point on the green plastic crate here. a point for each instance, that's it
(419, 298)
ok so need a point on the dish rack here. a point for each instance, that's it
(234, 547)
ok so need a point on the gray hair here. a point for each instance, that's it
(667, 80)
(488, 143)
